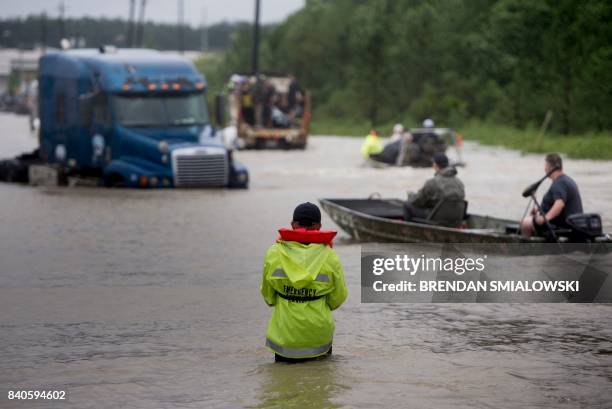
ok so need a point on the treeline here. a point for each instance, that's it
(503, 61)
(41, 30)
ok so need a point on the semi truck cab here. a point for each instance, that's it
(133, 117)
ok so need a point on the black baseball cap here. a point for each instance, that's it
(306, 214)
(441, 160)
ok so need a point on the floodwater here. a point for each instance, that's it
(150, 299)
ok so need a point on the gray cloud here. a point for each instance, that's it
(159, 10)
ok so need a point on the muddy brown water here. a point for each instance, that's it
(150, 299)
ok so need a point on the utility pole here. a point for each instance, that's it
(130, 34)
(140, 26)
(258, 93)
(62, 27)
(181, 33)
(204, 31)
(255, 67)
(43, 32)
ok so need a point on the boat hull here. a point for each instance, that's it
(373, 228)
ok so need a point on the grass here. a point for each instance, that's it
(345, 127)
(585, 146)
(579, 146)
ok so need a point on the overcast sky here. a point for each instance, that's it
(158, 10)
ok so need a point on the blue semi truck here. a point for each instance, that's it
(131, 117)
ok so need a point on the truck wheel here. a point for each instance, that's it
(4, 171)
(260, 143)
(115, 180)
(284, 144)
(241, 186)
(14, 171)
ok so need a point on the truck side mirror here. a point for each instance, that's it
(220, 110)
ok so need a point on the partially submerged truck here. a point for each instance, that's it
(133, 117)
(267, 111)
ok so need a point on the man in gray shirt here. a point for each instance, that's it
(562, 200)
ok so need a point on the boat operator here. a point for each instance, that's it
(562, 200)
(303, 281)
(445, 185)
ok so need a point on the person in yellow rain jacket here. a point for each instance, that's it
(371, 145)
(303, 281)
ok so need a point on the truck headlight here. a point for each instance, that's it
(163, 147)
(60, 153)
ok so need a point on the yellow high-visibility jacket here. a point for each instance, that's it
(303, 283)
(371, 145)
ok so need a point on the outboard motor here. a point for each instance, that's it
(585, 226)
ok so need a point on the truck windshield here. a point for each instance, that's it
(153, 110)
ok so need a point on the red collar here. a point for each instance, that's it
(307, 236)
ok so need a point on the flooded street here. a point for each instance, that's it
(150, 299)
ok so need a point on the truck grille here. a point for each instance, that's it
(198, 168)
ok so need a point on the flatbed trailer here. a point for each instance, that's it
(263, 132)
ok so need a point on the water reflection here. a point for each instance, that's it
(313, 384)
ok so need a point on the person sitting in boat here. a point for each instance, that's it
(562, 200)
(371, 145)
(398, 133)
(408, 151)
(303, 280)
(445, 185)
(399, 148)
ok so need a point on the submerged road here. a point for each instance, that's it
(143, 299)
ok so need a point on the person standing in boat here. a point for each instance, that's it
(303, 280)
(445, 185)
(562, 200)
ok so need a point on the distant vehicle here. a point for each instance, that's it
(132, 117)
(425, 143)
(269, 112)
